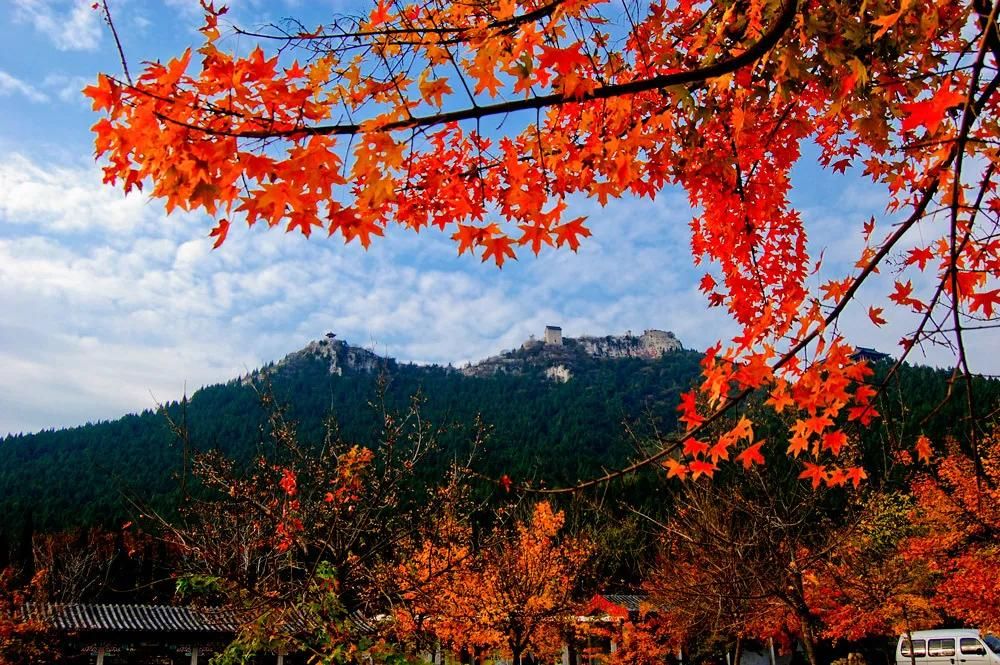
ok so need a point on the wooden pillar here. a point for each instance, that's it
(194, 655)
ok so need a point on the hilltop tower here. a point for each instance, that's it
(553, 335)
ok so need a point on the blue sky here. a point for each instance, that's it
(110, 306)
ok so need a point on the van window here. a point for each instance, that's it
(970, 646)
(941, 647)
(919, 648)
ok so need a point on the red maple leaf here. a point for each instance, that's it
(814, 472)
(930, 112)
(751, 455)
(571, 232)
(919, 256)
(855, 475)
(695, 448)
(923, 448)
(834, 441)
(985, 300)
(499, 248)
(220, 232)
(701, 467)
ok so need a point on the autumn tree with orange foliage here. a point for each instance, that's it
(24, 637)
(740, 556)
(295, 543)
(868, 585)
(957, 513)
(487, 120)
(510, 596)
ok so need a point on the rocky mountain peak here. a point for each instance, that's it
(337, 353)
(558, 354)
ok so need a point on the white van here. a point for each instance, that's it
(948, 646)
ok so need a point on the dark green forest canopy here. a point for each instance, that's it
(541, 429)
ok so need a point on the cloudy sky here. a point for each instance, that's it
(110, 306)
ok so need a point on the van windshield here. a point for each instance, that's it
(993, 642)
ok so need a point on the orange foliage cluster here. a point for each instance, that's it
(382, 125)
(510, 598)
(958, 511)
(22, 638)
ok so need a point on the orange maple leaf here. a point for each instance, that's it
(751, 455)
(797, 444)
(875, 314)
(701, 467)
(923, 448)
(380, 14)
(571, 232)
(814, 472)
(675, 469)
(536, 234)
(499, 248)
(220, 232)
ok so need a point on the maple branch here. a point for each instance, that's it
(987, 17)
(673, 443)
(503, 25)
(972, 111)
(726, 66)
(118, 42)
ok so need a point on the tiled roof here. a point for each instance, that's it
(621, 605)
(631, 602)
(152, 618)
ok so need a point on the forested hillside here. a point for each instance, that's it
(539, 427)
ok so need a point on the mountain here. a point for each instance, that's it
(557, 355)
(556, 409)
(559, 409)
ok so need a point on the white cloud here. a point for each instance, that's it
(108, 300)
(68, 88)
(63, 198)
(9, 85)
(71, 25)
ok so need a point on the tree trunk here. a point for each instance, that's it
(808, 641)
(738, 651)
(909, 637)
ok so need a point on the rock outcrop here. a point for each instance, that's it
(651, 344)
(338, 354)
(558, 360)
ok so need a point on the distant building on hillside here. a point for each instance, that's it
(553, 335)
(870, 355)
